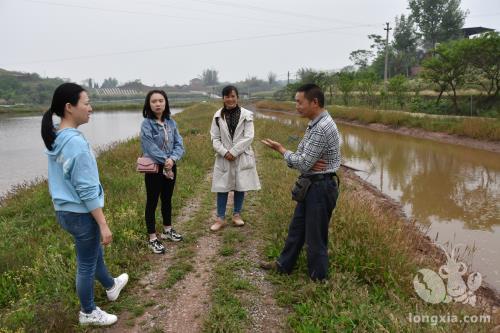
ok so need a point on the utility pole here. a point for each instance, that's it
(386, 52)
(288, 79)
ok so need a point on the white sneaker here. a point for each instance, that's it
(97, 317)
(120, 282)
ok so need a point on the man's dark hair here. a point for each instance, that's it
(312, 91)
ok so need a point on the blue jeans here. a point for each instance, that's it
(89, 256)
(309, 225)
(222, 202)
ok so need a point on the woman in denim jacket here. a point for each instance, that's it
(78, 198)
(160, 141)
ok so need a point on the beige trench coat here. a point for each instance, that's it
(240, 174)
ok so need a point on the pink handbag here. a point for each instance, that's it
(146, 165)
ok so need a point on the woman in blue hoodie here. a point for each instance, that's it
(160, 141)
(78, 198)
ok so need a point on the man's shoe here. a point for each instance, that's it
(156, 246)
(269, 265)
(219, 223)
(172, 235)
(237, 221)
(97, 317)
(120, 282)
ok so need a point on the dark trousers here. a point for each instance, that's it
(310, 225)
(159, 187)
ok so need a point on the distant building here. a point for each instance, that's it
(471, 32)
(196, 84)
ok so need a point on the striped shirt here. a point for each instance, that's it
(321, 141)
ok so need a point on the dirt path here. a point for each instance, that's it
(265, 314)
(182, 307)
(185, 308)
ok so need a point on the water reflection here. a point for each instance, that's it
(430, 179)
(452, 191)
(22, 149)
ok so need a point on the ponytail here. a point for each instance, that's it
(48, 134)
(64, 94)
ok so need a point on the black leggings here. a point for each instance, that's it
(159, 186)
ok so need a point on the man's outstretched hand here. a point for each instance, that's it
(274, 145)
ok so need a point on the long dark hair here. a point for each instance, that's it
(65, 93)
(148, 113)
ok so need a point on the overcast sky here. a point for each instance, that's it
(168, 41)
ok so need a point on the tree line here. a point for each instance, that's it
(428, 52)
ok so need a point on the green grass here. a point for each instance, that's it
(37, 259)
(230, 286)
(477, 128)
(372, 260)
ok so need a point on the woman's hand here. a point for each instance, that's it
(106, 234)
(229, 157)
(169, 164)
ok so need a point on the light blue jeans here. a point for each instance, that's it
(222, 203)
(89, 256)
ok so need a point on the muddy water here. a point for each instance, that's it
(22, 150)
(452, 191)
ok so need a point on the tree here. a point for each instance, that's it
(345, 83)
(378, 64)
(210, 77)
(484, 55)
(405, 42)
(306, 75)
(110, 82)
(398, 87)
(361, 58)
(271, 78)
(448, 68)
(367, 81)
(437, 20)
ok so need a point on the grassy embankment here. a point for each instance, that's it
(477, 128)
(372, 260)
(37, 260)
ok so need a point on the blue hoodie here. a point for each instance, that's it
(73, 176)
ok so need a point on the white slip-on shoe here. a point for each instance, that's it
(120, 282)
(97, 317)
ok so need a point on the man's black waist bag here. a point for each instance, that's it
(300, 189)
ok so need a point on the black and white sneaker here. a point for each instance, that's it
(172, 235)
(156, 246)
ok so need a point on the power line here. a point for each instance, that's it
(268, 10)
(113, 10)
(222, 41)
(253, 19)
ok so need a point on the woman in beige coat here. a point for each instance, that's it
(234, 169)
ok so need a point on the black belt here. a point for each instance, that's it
(322, 176)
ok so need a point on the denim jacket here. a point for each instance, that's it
(153, 138)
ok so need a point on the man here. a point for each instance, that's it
(317, 158)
